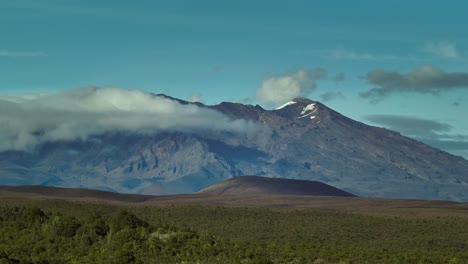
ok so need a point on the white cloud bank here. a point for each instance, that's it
(26, 121)
(276, 90)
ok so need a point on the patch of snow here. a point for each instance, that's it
(305, 115)
(312, 117)
(286, 104)
(308, 108)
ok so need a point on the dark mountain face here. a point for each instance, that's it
(302, 140)
(254, 185)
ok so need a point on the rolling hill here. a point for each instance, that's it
(254, 185)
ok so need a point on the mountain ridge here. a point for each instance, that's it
(304, 140)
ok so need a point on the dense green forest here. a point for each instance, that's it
(57, 231)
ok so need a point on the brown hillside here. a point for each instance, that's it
(254, 185)
(71, 193)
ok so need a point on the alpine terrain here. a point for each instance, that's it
(302, 139)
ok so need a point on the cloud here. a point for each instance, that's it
(52, 7)
(455, 146)
(457, 143)
(442, 49)
(425, 79)
(77, 114)
(339, 77)
(411, 126)
(343, 54)
(217, 68)
(5, 53)
(346, 54)
(434, 133)
(330, 96)
(196, 98)
(276, 90)
(457, 102)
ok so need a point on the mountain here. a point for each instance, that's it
(303, 139)
(255, 185)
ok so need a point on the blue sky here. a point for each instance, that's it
(412, 53)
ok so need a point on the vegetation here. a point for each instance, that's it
(83, 232)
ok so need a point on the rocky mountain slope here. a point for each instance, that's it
(254, 185)
(301, 140)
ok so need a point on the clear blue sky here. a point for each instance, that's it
(225, 50)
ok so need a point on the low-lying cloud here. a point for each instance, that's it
(409, 125)
(431, 132)
(425, 79)
(277, 90)
(77, 114)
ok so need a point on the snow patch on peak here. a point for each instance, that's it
(309, 114)
(305, 115)
(286, 104)
(309, 107)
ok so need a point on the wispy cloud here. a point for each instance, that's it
(339, 77)
(5, 53)
(347, 54)
(458, 101)
(51, 7)
(330, 96)
(217, 68)
(442, 49)
(196, 98)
